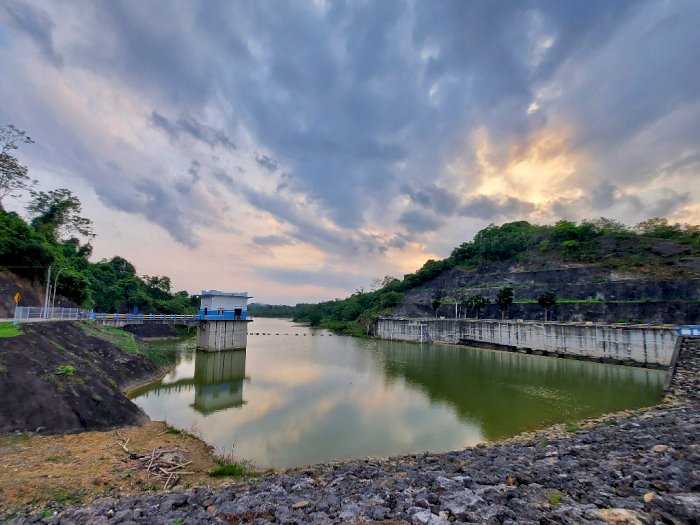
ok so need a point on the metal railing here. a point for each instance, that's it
(39, 313)
(143, 317)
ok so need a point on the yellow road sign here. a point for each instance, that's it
(17, 297)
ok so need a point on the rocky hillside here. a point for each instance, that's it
(584, 293)
(31, 292)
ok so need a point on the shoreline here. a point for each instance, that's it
(444, 486)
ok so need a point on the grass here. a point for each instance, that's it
(158, 354)
(65, 370)
(16, 439)
(122, 339)
(235, 470)
(155, 353)
(553, 496)
(572, 427)
(9, 329)
(65, 497)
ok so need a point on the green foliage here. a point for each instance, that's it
(504, 298)
(157, 353)
(13, 175)
(24, 251)
(354, 315)
(116, 336)
(64, 370)
(56, 213)
(8, 329)
(476, 303)
(495, 243)
(546, 300)
(572, 427)
(270, 310)
(110, 285)
(235, 470)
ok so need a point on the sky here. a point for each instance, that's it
(301, 150)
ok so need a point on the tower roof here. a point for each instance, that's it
(217, 293)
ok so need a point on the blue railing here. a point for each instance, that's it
(144, 317)
(210, 316)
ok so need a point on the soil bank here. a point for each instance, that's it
(55, 378)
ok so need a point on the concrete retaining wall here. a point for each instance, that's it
(649, 346)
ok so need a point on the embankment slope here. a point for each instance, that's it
(57, 378)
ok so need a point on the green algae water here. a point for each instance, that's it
(299, 395)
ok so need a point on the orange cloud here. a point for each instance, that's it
(539, 171)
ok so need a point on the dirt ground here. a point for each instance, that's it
(36, 470)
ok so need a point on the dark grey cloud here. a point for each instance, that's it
(603, 195)
(416, 221)
(266, 162)
(433, 198)
(36, 24)
(190, 126)
(665, 202)
(271, 240)
(338, 243)
(223, 176)
(491, 208)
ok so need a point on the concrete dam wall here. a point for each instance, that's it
(648, 346)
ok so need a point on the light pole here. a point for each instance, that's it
(46, 296)
(55, 284)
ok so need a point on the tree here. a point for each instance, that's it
(13, 175)
(546, 301)
(478, 302)
(438, 294)
(504, 298)
(57, 213)
(659, 227)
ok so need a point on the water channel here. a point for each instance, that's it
(300, 395)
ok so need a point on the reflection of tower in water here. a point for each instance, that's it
(218, 378)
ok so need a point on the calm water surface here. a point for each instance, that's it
(306, 395)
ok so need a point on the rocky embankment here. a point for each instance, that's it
(642, 468)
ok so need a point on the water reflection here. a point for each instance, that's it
(508, 393)
(313, 399)
(218, 378)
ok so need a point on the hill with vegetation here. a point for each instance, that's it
(593, 270)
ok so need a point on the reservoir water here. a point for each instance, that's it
(300, 395)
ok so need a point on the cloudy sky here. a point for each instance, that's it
(300, 149)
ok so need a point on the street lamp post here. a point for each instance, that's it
(45, 313)
(55, 285)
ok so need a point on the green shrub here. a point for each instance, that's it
(65, 370)
(235, 470)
